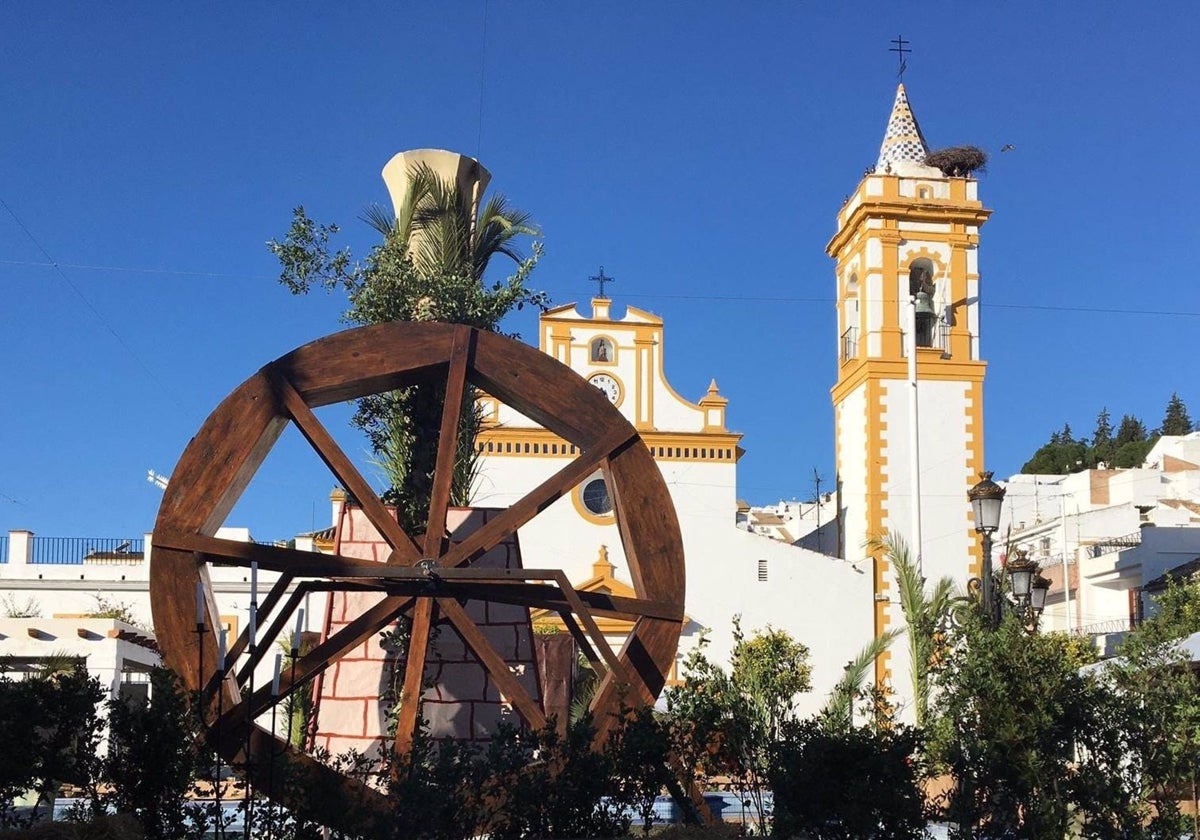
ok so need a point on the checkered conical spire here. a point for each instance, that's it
(903, 140)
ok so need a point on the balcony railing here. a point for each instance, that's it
(1103, 628)
(80, 550)
(850, 343)
(1111, 544)
(939, 339)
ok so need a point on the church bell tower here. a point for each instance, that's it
(908, 402)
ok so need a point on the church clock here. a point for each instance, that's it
(608, 385)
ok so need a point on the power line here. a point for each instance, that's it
(87, 303)
(1094, 310)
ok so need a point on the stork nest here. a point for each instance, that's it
(958, 161)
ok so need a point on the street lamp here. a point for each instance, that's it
(1028, 586)
(986, 499)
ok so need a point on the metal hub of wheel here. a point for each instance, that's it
(227, 451)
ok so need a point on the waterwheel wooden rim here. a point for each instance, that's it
(225, 454)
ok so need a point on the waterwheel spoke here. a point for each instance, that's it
(272, 558)
(538, 499)
(328, 652)
(493, 663)
(404, 550)
(447, 455)
(589, 623)
(585, 644)
(414, 675)
(516, 588)
(274, 596)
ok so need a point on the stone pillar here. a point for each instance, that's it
(20, 548)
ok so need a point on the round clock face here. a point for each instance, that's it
(609, 386)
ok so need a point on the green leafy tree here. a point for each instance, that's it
(1176, 420)
(726, 723)
(154, 761)
(1061, 455)
(1161, 691)
(845, 785)
(49, 736)
(1131, 430)
(429, 267)
(1132, 443)
(1032, 745)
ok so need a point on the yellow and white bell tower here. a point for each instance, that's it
(907, 256)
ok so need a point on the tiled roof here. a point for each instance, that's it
(903, 140)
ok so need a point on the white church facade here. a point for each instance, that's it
(823, 601)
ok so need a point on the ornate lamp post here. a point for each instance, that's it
(1028, 586)
(987, 497)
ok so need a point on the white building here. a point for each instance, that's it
(823, 601)
(68, 590)
(1112, 531)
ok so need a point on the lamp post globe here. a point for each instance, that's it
(987, 497)
(1021, 571)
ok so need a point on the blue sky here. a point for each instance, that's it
(698, 151)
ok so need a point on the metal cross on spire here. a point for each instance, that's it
(601, 279)
(900, 48)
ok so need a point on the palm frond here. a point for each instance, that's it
(840, 703)
(380, 219)
(924, 614)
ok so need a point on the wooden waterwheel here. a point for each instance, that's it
(425, 574)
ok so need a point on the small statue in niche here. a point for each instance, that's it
(601, 350)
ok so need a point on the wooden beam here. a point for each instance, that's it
(447, 454)
(403, 548)
(493, 663)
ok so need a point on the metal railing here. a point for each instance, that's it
(80, 550)
(1103, 628)
(1109, 544)
(939, 340)
(850, 343)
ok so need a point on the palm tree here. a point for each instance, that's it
(446, 241)
(444, 230)
(839, 708)
(925, 616)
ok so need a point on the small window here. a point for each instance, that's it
(595, 497)
(762, 570)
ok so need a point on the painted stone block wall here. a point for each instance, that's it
(461, 700)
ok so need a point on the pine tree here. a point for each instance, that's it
(1104, 430)
(1176, 420)
(1103, 449)
(1131, 430)
(1132, 443)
